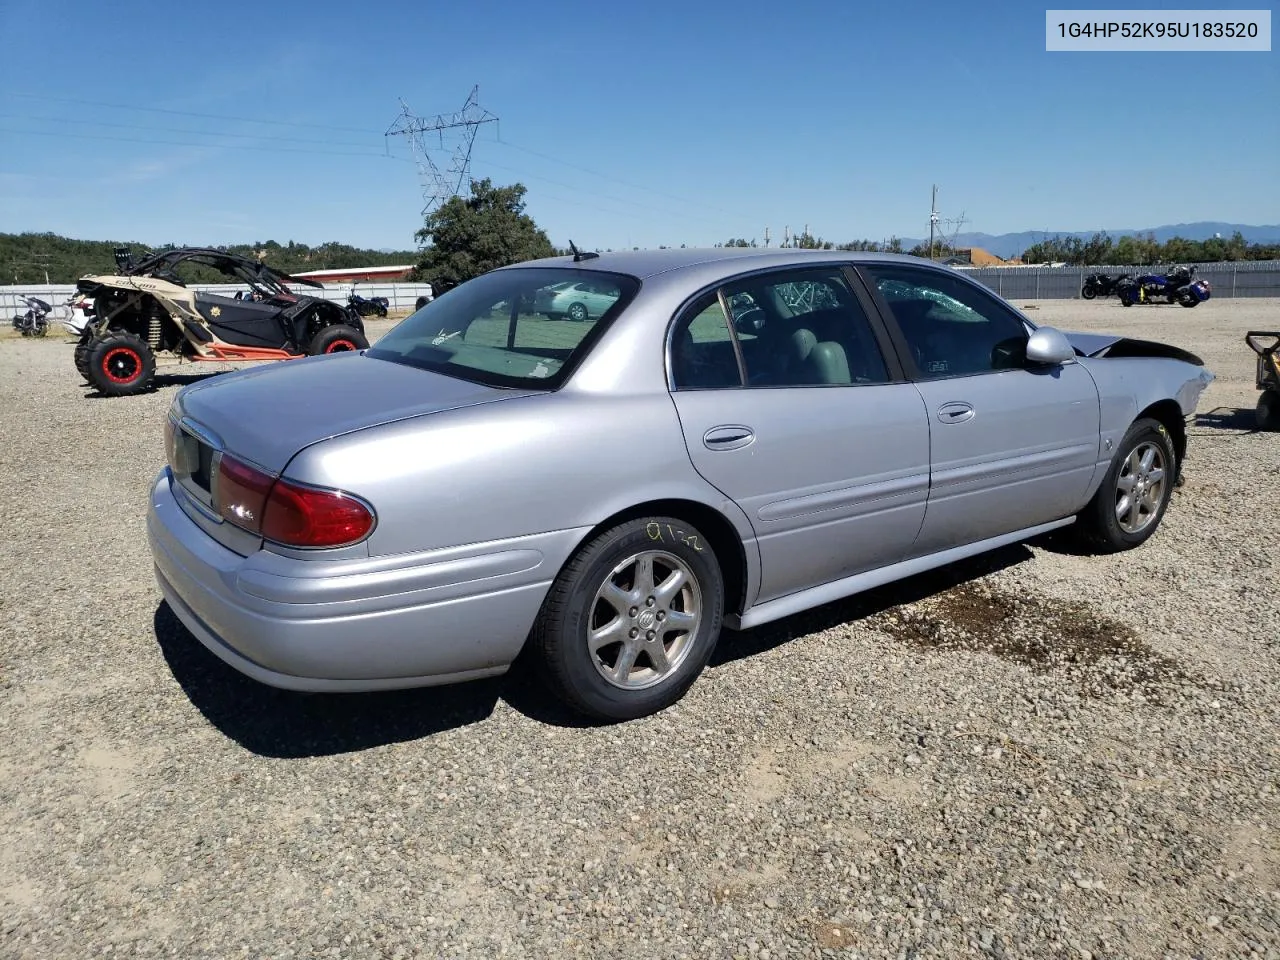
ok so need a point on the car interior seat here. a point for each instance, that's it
(820, 361)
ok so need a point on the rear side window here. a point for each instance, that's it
(702, 350)
(523, 328)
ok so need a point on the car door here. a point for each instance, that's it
(1012, 445)
(245, 323)
(795, 415)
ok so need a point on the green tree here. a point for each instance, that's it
(466, 237)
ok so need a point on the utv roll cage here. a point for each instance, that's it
(253, 272)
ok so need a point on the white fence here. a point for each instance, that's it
(400, 296)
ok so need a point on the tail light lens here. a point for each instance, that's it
(313, 517)
(288, 513)
(241, 493)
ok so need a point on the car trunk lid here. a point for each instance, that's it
(265, 415)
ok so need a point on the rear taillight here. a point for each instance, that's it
(288, 513)
(314, 517)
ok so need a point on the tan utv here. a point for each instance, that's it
(148, 309)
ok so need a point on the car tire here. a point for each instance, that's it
(1109, 524)
(1267, 413)
(121, 364)
(577, 312)
(337, 338)
(605, 590)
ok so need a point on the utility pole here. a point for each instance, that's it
(439, 185)
(933, 219)
(766, 236)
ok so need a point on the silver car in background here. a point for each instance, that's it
(741, 435)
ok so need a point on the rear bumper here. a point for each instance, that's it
(442, 616)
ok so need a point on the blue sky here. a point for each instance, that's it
(639, 124)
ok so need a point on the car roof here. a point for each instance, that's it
(649, 263)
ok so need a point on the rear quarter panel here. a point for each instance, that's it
(523, 467)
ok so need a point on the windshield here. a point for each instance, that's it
(520, 328)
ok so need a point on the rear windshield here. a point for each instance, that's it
(520, 328)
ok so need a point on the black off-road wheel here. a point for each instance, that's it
(82, 353)
(1267, 413)
(631, 620)
(121, 364)
(1134, 494)
(337, 338)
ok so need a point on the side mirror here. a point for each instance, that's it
(1050, 347)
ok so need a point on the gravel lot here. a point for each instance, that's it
(1038, 754)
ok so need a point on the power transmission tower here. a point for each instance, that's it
(934, 225)
(439, 185)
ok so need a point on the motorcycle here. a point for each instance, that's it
(1101, 285)
(368, 306)
(35, 322)
(1176, 286)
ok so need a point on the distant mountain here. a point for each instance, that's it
(1012, 244)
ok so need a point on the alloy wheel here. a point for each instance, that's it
(643, 620)
(1140, 487)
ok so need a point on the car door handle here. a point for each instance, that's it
(955, 412)
(728, 437)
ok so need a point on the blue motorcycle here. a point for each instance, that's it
(1177, 286)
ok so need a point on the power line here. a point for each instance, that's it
(605, 196)
(208, 146)
(189, 113)
(291, 123)
(180, 130)
(605, 176)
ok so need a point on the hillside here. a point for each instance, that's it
(28, 257)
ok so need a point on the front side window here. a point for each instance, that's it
(525, 327)
(951, 327)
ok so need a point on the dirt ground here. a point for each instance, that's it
(1035, 754)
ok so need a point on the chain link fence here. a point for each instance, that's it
(1240, 278)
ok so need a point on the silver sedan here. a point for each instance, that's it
(742, 435)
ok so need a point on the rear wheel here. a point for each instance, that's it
(121, 364)
(1267, 413)
(1135, 493)
(631, 620)
(337, 338)
(577, 312)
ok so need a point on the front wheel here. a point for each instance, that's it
(1089, 292)
(82, 353)
(1267, 413)
(1135, 492)
(631, 620)
(121, 364)
(337, 338)
(577, 312)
